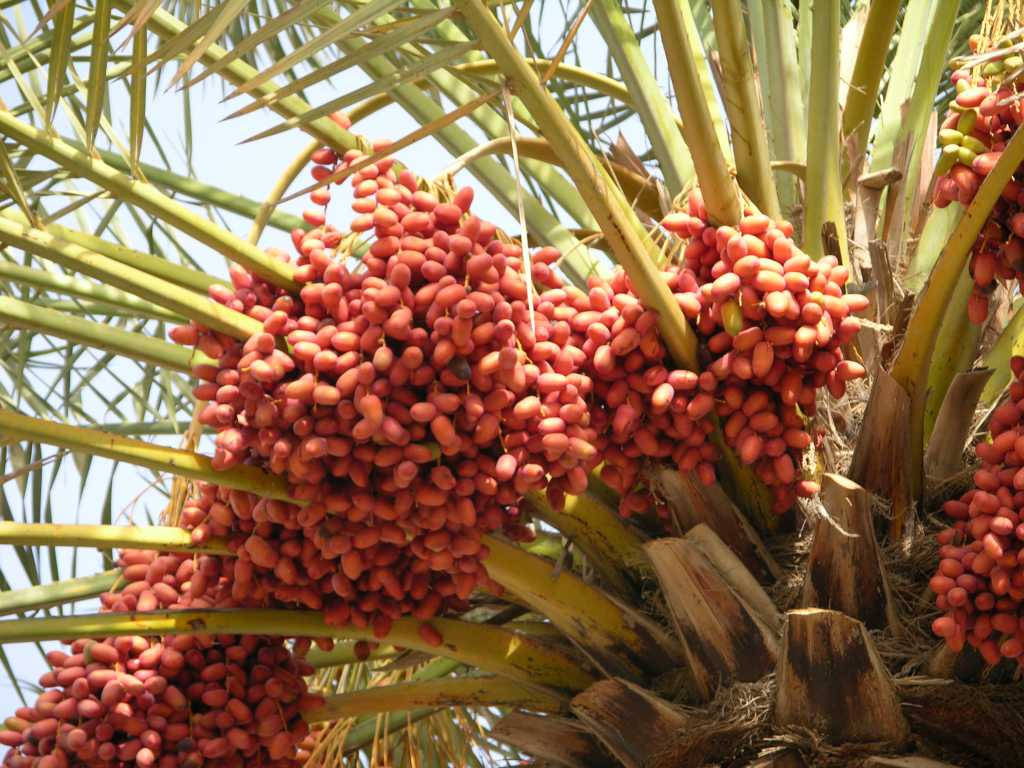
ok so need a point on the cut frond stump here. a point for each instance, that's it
(464, 691)
(968, 723)
(941, 661)
(845, 572)
(736, 575)
(905, 762)
(786, 758)
(881, 290)
(830, 680)
(612, 546)
(727, 630)
(632, 723)
(616, 637)
(555, 740)
(882, 462)
(945, 453)
(692, 503)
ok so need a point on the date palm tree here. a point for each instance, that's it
(735, 636)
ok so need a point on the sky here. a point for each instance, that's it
(219, 157)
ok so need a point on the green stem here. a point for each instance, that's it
(619, 639)
(168, 427)
(613, 547)
(137, 97)
(344, 653)
(96, 87)
(375, 103)
(888, 125)
(867, 75)
(204, 193)
(495, 125)
(700, 32)
(570, 74)
(363, 733)
(150, 199)
(73, 257)
(156, 457)
(716, 184)
(749, 138)
(626, 237)
(186, 277)
(1009, 343)
(906, 192)
(88, 307)
(910, 368)
(434, 669)
(161, 538)
(655, 112)
(138, 346)
(494, 649)
(775, 44)
(823, 199)
(446, 692)
(639, 189)
(549, 546)
(956, 348)
(58, 593)
(934, 236)
(804, 22)
(85, 289)
(267, 210)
